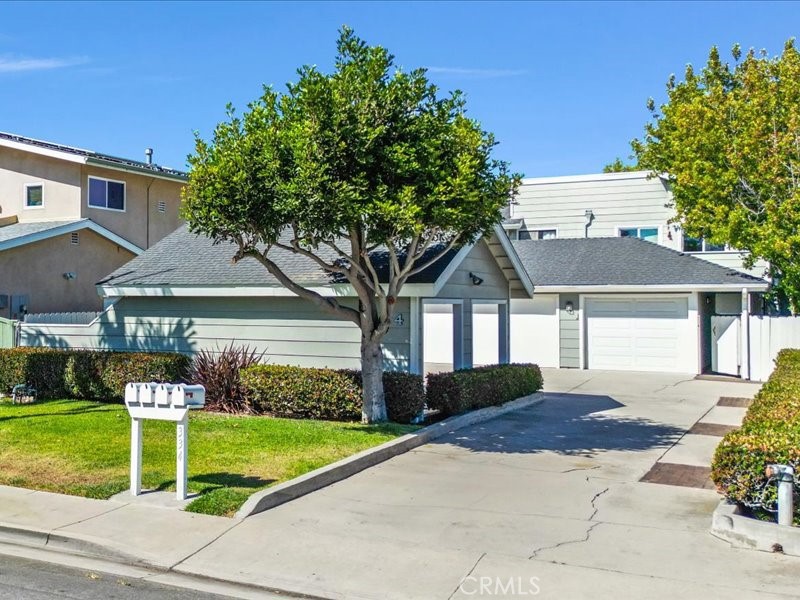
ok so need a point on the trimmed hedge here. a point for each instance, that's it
(470, 389)
(770, 434)
(329, 394)
(86, 374)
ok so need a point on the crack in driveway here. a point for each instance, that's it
(586, 535)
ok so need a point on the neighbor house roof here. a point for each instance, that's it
(89, 157)
(623, 263)
(190, 264)
(20, 234)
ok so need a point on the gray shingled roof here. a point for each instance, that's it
(97, 158)
(619, 261)
(20, 230)
(186, 259)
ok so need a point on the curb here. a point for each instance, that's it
(70, 544)
(729, 524)
(327, 475)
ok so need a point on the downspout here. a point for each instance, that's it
(147, 218)
(745, 334)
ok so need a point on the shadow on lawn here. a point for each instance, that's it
(218, 480)
(570, 424)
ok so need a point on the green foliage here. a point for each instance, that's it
(329, 394)
(770, 434)
(729, 138)
(220, 373)
(469, 389)
(368, 159)
(91, 375)
(617, 166)
(405, 394)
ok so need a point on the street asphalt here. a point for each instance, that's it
(26, 579)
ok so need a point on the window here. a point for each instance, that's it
(34, 195)
(106, 193)
(543, 234)
(692, 244)
(649, 234)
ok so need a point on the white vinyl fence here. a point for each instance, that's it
(768, 336)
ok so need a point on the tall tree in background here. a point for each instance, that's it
(342, 166)
(617, 166)
(729, 140)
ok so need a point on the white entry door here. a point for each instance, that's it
(725, 344)
(640, 334)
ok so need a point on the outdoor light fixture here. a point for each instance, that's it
(69, 275)
(475, 279)
(569, 307)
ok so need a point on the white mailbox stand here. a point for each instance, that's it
(162, 402)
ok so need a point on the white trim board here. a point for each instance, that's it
(651, 289)
(69, 228)
(234, 291)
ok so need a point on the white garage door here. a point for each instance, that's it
(635, 334)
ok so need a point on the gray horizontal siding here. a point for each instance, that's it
(569, 332)
(289, 330)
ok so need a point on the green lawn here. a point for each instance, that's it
(83, 448)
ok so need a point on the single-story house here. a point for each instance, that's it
(184, 294)
(622, 303)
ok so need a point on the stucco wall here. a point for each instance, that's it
(141, 223)
(37, 270)
(61, 186)
(291, 330)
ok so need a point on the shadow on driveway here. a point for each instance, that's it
(569, 424)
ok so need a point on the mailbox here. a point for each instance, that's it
(132, 394)
(190, 396)
(164, 394)
(147, 393)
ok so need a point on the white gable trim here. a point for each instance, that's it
(511, 252)
(225, 291)
(75, 158)
(604, 289)
(69, 228)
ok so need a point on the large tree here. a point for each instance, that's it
(728, 139)
(363, 165)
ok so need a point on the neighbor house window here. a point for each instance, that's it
(649, 234)
(692, 244)
(106, 193)
(544, 234)
(34, 195)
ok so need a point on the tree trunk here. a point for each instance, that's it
(373, 409)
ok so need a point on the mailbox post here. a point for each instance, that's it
(162, 402)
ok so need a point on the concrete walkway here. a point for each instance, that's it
(546, 499)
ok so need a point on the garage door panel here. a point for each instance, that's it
(638, 334)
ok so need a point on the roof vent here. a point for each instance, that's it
(162, 206)
(148, 152)
(74, 238)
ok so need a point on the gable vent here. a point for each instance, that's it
(74, 239)
(162, 206)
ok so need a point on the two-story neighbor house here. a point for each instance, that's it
(619, 286)
(69, 216)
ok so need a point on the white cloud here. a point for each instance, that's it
(476, 72)
(12, 64)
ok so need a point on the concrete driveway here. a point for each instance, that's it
(544, 502)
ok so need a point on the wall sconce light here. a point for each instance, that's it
(475, 279)
(569, 307)
(69, 275)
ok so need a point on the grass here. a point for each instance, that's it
(83, 448)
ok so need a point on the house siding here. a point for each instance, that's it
(290, 330)
(569, 332)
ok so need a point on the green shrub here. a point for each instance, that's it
(770, 434)
(469, 389)
(298, 392)
(86, 374)
(329, 394)
(404, 394)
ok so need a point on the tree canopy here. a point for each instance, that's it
(366, 157)
(728, 139)
(618, 166)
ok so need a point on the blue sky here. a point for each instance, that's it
(562, 85)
